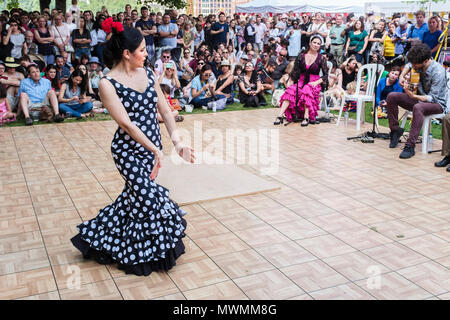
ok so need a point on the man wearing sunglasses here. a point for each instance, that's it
(294, 36)
(282, 62)
(165, 58)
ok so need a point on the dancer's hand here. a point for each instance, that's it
(158, 160)
(185, 152)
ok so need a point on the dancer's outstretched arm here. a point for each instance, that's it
(187, 153)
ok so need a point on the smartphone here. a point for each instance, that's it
(169, 65)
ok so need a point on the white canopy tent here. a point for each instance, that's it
(383, 7)
(283, 6)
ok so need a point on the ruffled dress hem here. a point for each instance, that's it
(140, 269)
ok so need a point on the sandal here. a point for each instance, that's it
(278, 121)
(179, 118)
(305, 122)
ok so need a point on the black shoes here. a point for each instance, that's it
(278, 121)
(305, 122)
(408, 152)
(58, 118)
(395, 137)
(443, 163)
(28, 121)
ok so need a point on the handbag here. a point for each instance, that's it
(276, 97)
(220, 104)
(68, 47)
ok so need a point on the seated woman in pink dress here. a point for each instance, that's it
(302, 97)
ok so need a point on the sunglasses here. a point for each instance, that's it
(282, 55)
(166, 57)
(249, 66)
(208, 75)
(200, 63)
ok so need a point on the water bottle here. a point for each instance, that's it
(346, 118)
(430, 142)
(214, 108)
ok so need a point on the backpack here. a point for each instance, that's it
(246, 36)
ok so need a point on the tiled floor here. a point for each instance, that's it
(351, 220)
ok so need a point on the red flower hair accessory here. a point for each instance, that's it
(118, 26)
(107, 25)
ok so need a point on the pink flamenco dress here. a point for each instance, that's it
(302, 95)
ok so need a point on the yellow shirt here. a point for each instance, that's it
(389, 47)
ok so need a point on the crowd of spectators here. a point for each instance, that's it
(52, 61)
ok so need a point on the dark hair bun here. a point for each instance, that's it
(128, 39)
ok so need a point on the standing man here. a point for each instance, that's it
(337, 40)
(445, 144)
(416, 32)
(148, 29)
(134, 17)
(220, 31)
(250, 32)
(89, 22)
(400, 35)
(304, 27)
(431, 97)
(261, 31)
(127, 10)
(167, 34)
(295, 38)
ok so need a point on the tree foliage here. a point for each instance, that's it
(113, 6)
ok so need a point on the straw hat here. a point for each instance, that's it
(10, 62)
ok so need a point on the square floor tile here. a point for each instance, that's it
(227, 290)
(362, 238)
(242, 263)
(325, 246)
(261, 236)
(334, 222)
(430, 246)
(355, 265)
(396, 229)
(197, 274)
(314, 275)
(80, 273)
(430, 276)
(54, 295)
(348, 291)
(157, 284)
(299, 229)
(103, 290)
(285, 254)
(20, 242)
(221, 244)
(28, 283)
(23, 261)
(392, 286)
(269, 285)
(395, 256)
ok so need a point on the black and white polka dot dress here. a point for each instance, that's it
(142, 229)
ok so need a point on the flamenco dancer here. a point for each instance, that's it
(142, 229)
(302, 97)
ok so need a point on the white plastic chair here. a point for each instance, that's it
(425, 126)
(361, 98)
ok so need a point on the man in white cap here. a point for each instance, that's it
(317, 27)
(400, 35)
(282, 24)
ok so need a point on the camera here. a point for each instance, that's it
(169, 65)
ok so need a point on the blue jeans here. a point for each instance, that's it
(50, 59)
(198, 102)
(80, 51)
(76, 109)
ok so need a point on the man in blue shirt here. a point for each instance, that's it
(400, 35)
(62, 71)
(219, 31)
(419, 29)
(36, 93)
(168, 34)
(148, 28)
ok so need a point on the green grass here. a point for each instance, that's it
(435, 129)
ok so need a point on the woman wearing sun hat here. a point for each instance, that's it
(12, 81)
